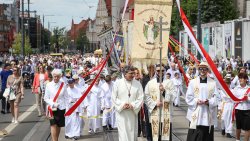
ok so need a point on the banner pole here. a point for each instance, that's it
(160, 95)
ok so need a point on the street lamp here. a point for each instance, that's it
(49, 34)
(43, 32)
(49, 24)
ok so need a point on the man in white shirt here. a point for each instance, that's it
(57, 106)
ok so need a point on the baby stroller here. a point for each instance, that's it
(26, 80)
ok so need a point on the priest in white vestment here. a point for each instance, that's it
(202, 99)
(154, 103)
(127, 97)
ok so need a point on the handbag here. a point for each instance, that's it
(6, 93)
(12, 95)
(9, 94)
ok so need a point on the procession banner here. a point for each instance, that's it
(146, 33)
(206, 56)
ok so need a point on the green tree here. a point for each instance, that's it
(218, 10)
(82, 42)
(17, 44)
(57, 38)
(190, 8)
(212, 10)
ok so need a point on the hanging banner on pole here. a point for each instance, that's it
(146, 47)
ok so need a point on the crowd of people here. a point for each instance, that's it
(128, 98)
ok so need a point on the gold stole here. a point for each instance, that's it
(165, 110)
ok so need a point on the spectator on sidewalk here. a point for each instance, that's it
(4, 76)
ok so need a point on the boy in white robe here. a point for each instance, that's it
(82, 88)
(227, 109)
(178, 86)
(94, 107)
(106, 103)
(73, 122)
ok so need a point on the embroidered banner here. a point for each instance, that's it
(146, 33)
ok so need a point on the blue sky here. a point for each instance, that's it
(63, 10)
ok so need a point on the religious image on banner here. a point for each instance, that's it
(119, 44)
(146, 32)
(150, 30)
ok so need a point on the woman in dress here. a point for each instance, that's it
(39, 88)
(15, 82)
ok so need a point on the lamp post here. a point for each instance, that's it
(43, 32)
(23, 36)
(49, 31)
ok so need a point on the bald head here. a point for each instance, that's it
(173, 66)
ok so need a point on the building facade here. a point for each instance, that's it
(7, 26)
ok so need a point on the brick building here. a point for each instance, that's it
(7, 26)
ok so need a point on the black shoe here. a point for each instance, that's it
(138, 135)
(229, 135)
(105, 128)
(75, 138)
(3, 112)
(8, 112)
(110, 128)
(223, 132)
(66, 137)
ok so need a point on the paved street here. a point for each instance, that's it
(33, 128)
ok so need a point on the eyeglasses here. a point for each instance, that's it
(132, 73)
(203, 69)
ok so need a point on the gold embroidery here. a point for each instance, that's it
(194, 117)
(155, 125)
(166, 107)
(166, 126)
